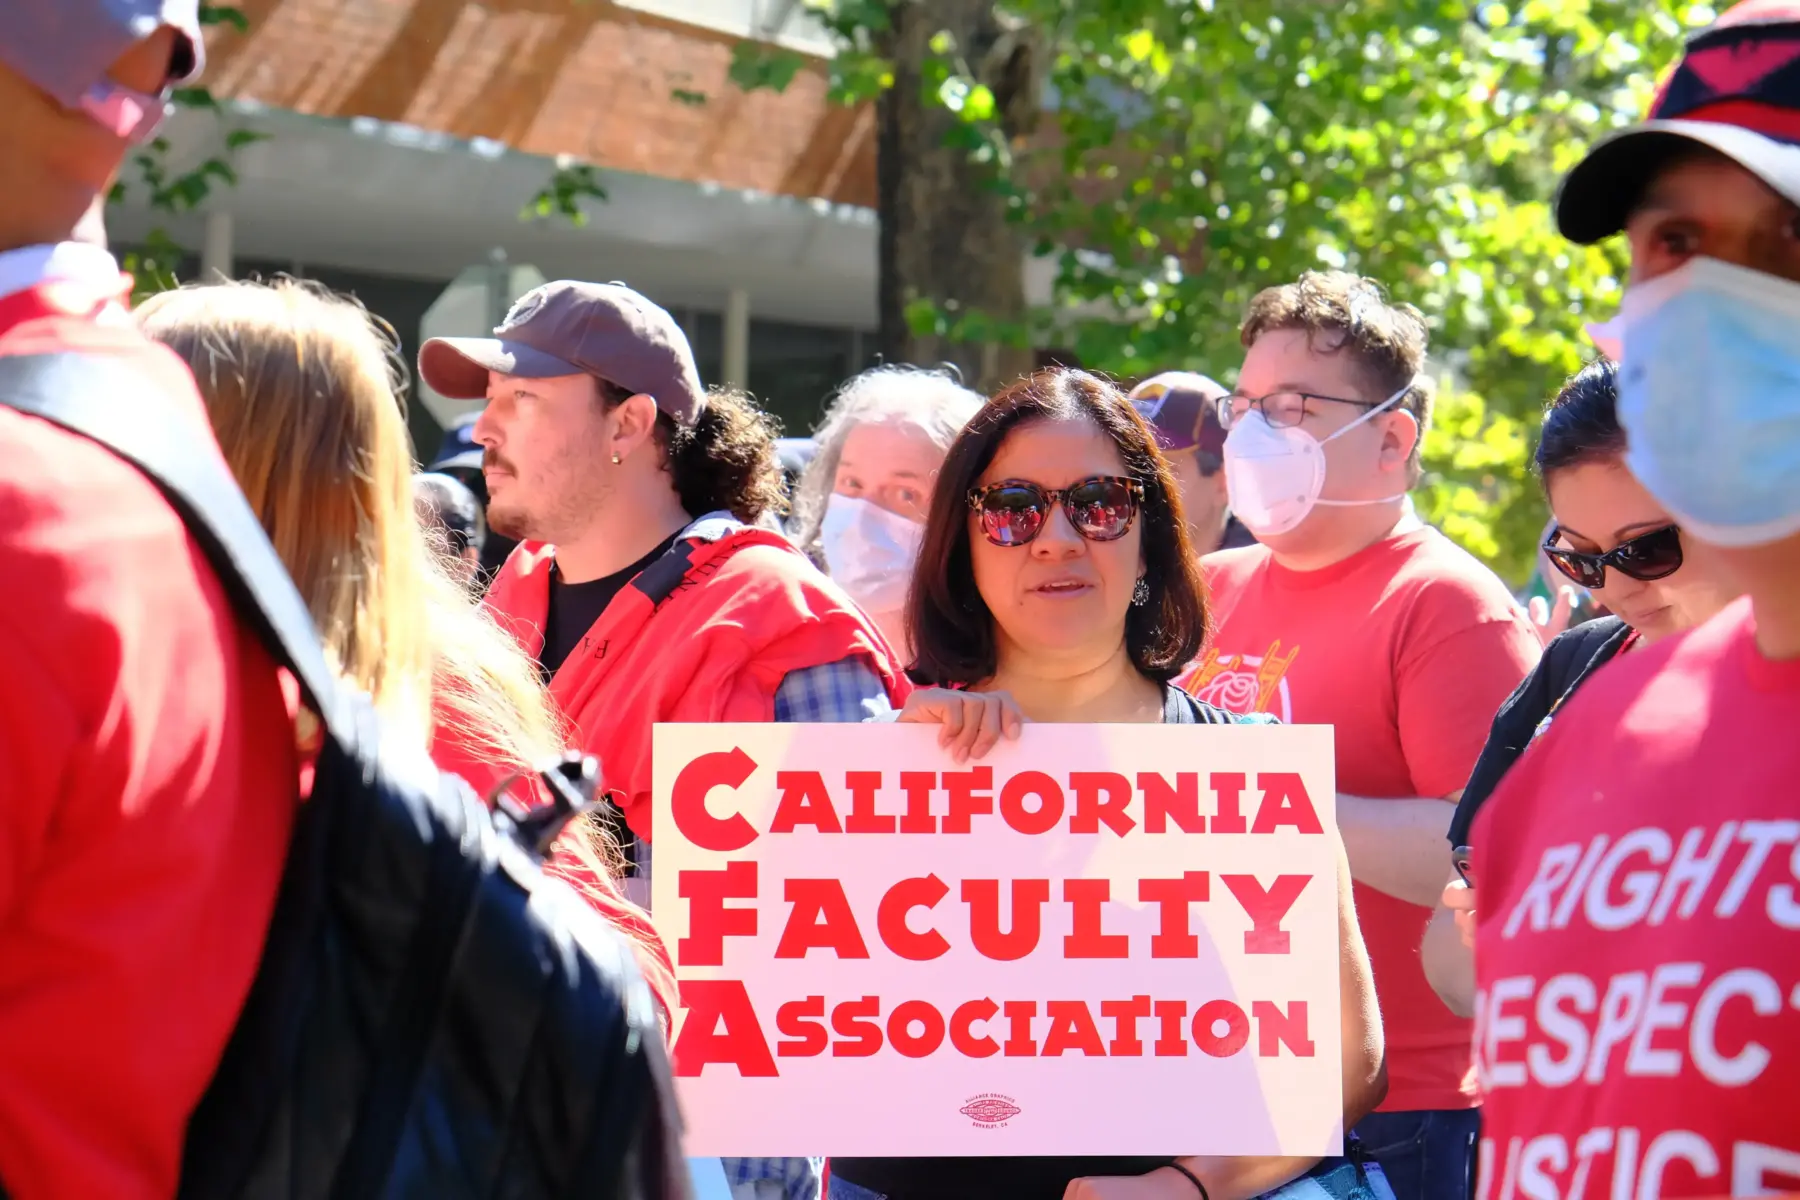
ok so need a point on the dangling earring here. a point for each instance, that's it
(1140, 595)
(616, 460)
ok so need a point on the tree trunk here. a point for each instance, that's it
(944, 233)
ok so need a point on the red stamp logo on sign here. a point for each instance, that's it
(991, 1110)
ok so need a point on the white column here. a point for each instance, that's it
(734, 367)
(216, 251)
(499, 287)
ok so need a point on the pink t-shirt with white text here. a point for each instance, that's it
(1638, 949)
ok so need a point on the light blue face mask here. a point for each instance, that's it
(1709, 397)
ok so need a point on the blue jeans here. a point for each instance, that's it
(1425, 1155)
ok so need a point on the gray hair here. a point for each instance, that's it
(932, 401)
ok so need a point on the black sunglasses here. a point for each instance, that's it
(1013, 511)
(1648, 556)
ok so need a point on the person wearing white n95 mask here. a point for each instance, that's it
(1354, 614)
(1276, 472)
(870, 551)
(860, 507)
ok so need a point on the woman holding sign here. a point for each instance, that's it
(1057, 583)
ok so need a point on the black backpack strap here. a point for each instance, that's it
(1577, 653)
(102, 398)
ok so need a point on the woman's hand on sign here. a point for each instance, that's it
(971, 723)
(1459, 898)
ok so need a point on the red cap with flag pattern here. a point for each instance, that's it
(1736, 90)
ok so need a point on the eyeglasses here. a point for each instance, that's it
(1013, 511)
(1646, 557)
(1281, 409)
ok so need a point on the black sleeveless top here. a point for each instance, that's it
(990, 1178)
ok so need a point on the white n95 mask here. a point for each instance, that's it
(870, 551)
(1709, 398)
(1274, 474)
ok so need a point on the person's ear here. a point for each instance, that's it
(633, 423)
(1399, 436)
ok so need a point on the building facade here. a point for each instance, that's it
(402, 141)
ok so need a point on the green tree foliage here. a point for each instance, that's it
(1198, 150)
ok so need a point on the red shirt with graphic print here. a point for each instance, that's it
(1408, 648)
(1638, 893)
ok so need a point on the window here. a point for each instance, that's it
(794, 369)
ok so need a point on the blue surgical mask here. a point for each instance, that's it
(1709, 397)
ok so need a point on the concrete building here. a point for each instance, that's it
(403, 138)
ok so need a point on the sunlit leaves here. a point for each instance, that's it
(1398, 138)
(563, 195)
(760, 65)
(1203, 149)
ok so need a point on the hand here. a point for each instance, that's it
(1157, 1185)
(1459, 898)
(1550, 621)
(971, 722)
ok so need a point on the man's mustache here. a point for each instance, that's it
(491, 461)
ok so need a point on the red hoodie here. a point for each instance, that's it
(150, 780)
(704, 634)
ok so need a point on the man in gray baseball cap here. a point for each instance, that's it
(601, 451)
(644, 587)
(605, 330)
(594, 409)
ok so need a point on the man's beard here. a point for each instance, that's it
(510, 522)
(563, 502)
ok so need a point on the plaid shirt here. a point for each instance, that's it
(843, 692)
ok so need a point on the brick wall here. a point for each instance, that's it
(551, 77)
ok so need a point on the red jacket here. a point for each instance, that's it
(150, 781)
(705, 634)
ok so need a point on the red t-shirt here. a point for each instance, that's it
(1408, 648)
(149, 777)
(1637, 953)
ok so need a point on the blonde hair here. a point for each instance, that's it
(303, 387)
(930, 400)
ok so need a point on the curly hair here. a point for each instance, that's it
(724, 461)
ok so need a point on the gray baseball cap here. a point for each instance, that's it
(65, 47)
(572, 328)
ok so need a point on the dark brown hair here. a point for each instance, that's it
(725, 460)
(951, 627)
(1339, 311)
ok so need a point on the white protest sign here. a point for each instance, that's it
(1101, 939)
